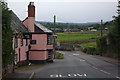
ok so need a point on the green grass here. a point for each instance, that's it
(60, 56)
(88, 44)
(77, 37)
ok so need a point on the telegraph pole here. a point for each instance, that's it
(54, 33)
(101, 27)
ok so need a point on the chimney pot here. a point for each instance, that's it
(31, 3)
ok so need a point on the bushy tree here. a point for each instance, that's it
(110, 44)
(6, 34)
(114, 32)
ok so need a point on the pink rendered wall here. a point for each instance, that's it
(41, 42)
(38, 55)
(26, 23)
(23, 49)
(29, 23)
(49, 46)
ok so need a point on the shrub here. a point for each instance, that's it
(102, 44)
(60, 56)
(23, 63)
(91, 50)
(84, 50)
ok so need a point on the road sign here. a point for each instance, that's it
(55, 36)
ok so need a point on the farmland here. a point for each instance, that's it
(78, 37)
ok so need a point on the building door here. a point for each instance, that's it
(27, 55)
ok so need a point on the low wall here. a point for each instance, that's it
(68, 47)
(7, 71)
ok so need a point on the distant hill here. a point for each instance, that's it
(79, 26)
(82, 24)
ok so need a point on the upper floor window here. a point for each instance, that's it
(32, 41)
(26, 42)
(21, 42)
(16, 43)
(49, 39)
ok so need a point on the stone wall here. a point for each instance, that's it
(7, 71)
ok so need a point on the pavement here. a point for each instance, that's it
(75, 64)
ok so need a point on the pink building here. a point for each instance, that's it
(32, 41)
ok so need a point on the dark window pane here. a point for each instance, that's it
(21, 42)
(26, 42)
(49, 39)
(16, 43)
(32, 41)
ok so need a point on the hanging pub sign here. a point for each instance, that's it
(20, 35)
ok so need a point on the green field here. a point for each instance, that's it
(88, 44)
(77, 36)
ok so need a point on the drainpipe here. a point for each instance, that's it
(54, 35)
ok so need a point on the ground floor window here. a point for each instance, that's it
(32, 41)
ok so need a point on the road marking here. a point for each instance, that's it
(75, 54)
(60, 75)
(79, 75)
(82, 60)
(69, 75)
(56, 75)
(117, 77)
(94, 67)
(51, 75)
(105, 72)
(85, 74)
(75, 75)
(33, 73)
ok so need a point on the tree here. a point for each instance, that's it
(114, 32)
(7, 34)
(110, 44)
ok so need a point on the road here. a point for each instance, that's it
(76, 65)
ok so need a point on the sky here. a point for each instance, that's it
(68, 11)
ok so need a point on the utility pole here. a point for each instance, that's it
(101, 27)
(54, 33)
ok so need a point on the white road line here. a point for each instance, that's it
(56, 75)
(76, 54)
(79, 75)
(69, 75)
(60, 75)
(51, 76)
(75, 75)
(33, 73)
(85, 74)
(82, 60)
(117, 77)
(94, 67)
(105, 72)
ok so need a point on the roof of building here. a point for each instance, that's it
(43, 28)
(17, 25)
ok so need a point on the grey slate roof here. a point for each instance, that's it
(43, 28)
(17, 25)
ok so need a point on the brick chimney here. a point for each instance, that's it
(30, 20)
(31, 9)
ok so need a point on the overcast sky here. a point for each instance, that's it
(77, 11)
